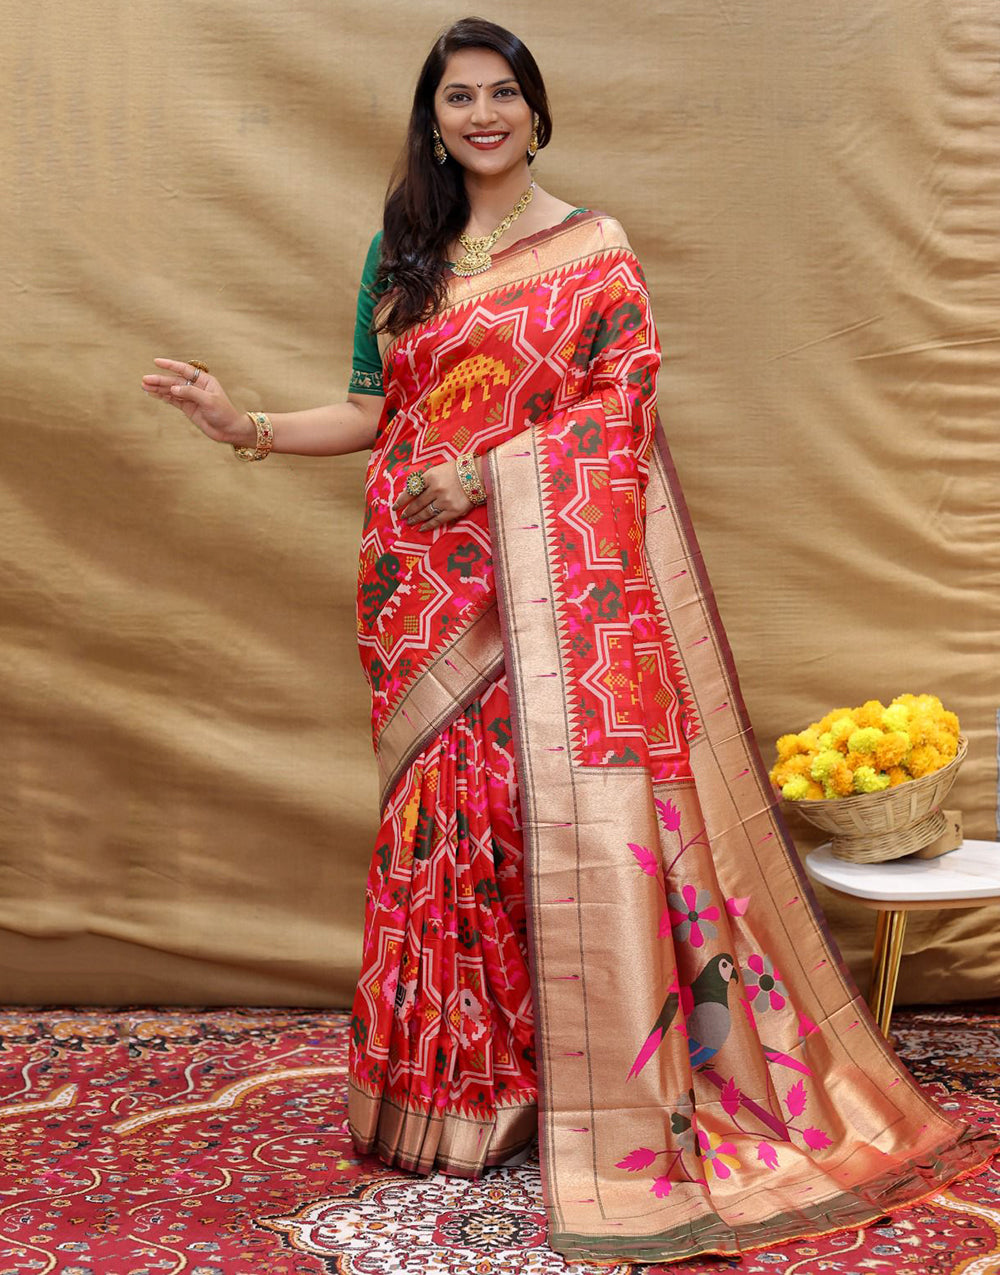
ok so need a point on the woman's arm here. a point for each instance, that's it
(327, 431)
(318, 431)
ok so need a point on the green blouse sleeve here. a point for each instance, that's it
(366, 365)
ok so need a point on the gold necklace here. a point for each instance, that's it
(477, 251)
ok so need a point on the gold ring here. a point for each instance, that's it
(200, 366)
(415, 482)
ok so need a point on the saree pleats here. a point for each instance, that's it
(442, 1068)
(581, 874)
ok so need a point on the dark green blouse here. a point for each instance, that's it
(366, 366)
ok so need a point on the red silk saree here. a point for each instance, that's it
(584, 917)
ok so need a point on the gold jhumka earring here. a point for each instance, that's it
(533, 143)
(440, 154)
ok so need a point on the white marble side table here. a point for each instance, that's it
(968, 877)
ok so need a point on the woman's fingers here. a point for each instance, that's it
(162, 383)
(417, 512)
(181, 390)
(186, 371)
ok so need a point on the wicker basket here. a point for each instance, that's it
(873, 827)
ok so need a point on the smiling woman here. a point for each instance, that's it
(582, 895)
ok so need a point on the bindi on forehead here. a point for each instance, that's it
(510, 79)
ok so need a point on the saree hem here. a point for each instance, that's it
(651, 1248)
(450, 1142)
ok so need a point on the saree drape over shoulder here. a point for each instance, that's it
(584, 916)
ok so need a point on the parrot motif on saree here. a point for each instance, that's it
(584, 917)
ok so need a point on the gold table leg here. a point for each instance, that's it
(889, 931)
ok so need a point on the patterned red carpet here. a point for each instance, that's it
(208, 1142)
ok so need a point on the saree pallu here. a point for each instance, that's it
(584, 913)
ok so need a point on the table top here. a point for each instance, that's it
(970, 872)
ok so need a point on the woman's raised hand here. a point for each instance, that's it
(202, 400)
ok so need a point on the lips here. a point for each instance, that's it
(486, 141)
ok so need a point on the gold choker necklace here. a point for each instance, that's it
(477, 251)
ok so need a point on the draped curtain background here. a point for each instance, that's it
(189, 797)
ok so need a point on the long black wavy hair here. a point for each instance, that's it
(427, 207)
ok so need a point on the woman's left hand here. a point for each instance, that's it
(442, 500)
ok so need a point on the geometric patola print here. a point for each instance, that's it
(558, 349)
(444, 989)
(629, 703)
(417, 591)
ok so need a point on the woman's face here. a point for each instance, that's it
(482, 116)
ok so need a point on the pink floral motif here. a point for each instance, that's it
(691, 914)
(767, 1154)
(645, 858)
(764, 987)
(640, 1158)
(795, 1099)
(661, 1188)
(718, 1153)
(815, 1138)
(730, 1097)
(670, 816)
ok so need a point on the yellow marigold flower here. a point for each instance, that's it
(947, 746)
(921, 728)
(920, 703)
(870, 713)
(809, 739)
(924, 760)
(815, 792)
(865, 740)
(788, 746)
(950, 722)
(796, 788)
(842, 728)
(841, 780)
(891, 749)
(897, 776)
(824, 764)
(854, 760)
(896, 717)
(783, 771)
(867, 780)
(826, 741)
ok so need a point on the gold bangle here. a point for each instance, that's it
(469, 478)
(265, 438)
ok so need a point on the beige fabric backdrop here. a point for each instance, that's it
(189, 798)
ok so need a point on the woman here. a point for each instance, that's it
(584, 919)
